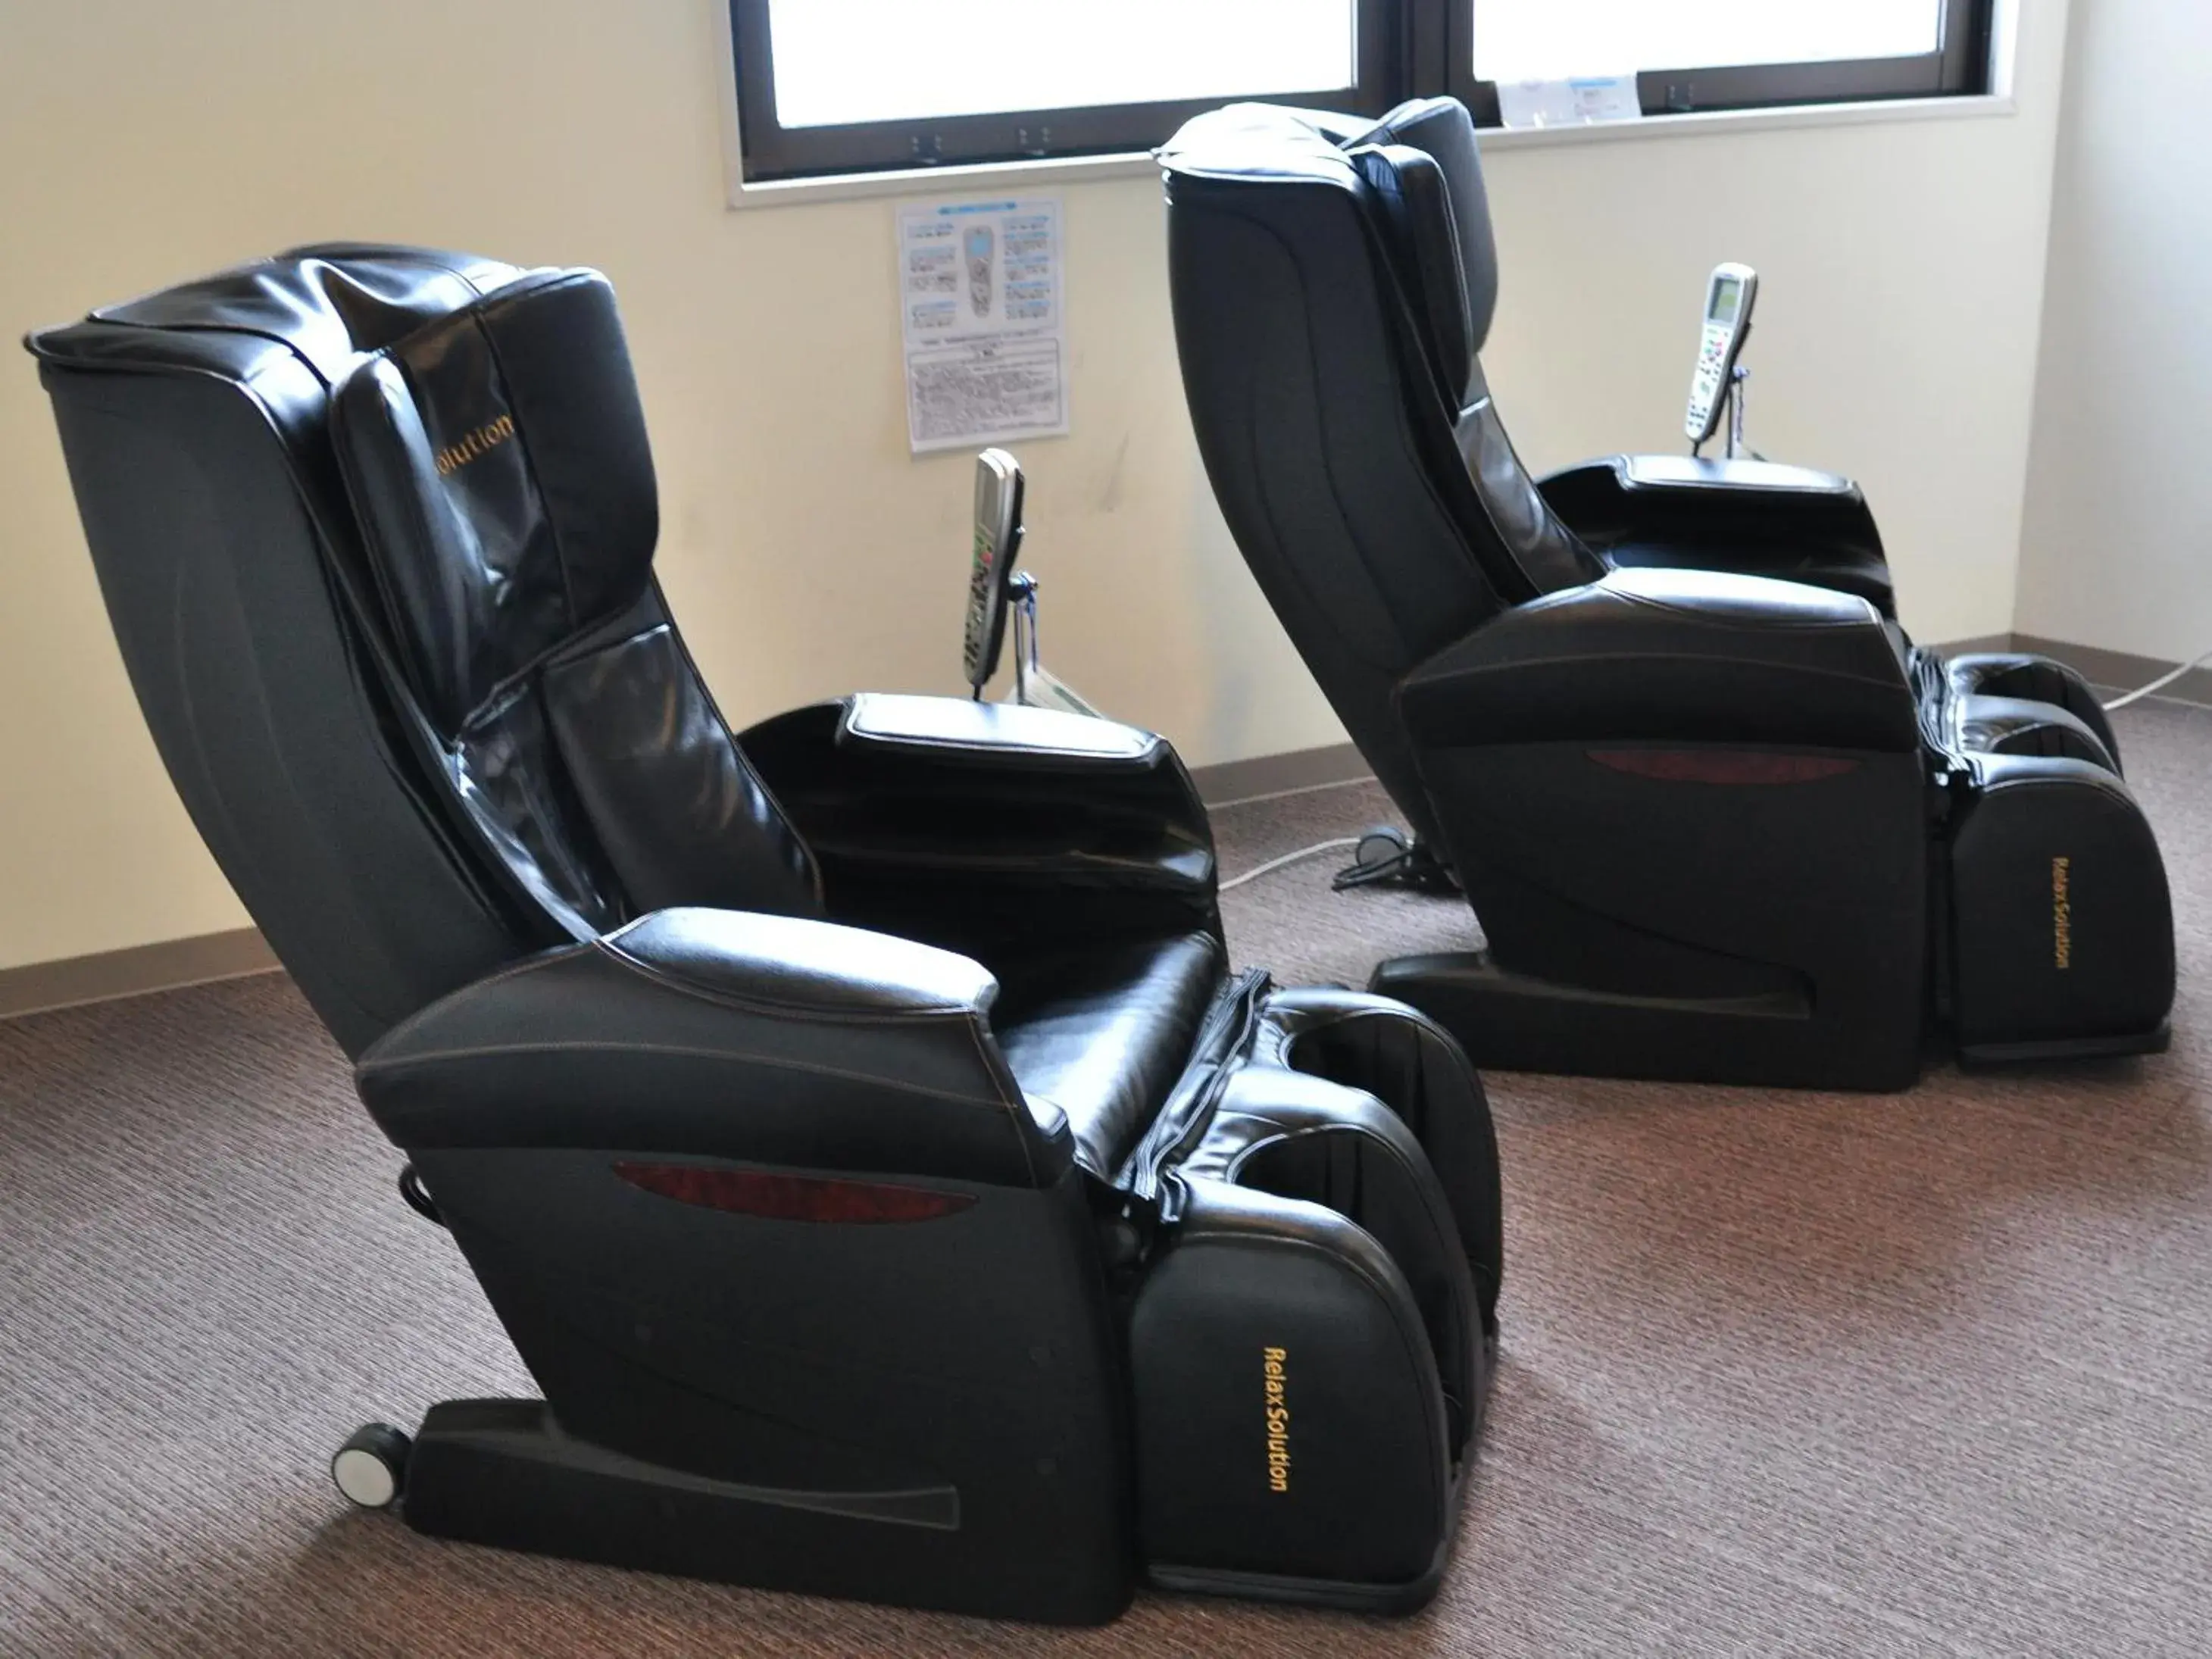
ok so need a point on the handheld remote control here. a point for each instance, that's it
(998, 539)
(1729, 292)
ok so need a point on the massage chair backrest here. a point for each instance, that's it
(1334, 281)
(375, 528)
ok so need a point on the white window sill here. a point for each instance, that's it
(1007, 175)
(1712, 124)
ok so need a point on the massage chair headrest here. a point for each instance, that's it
(497, 460)
(1418, 174)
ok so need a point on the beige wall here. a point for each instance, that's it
(805, 552)
(2119, 547)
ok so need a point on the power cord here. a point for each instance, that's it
(1302, 855)
(2158, 685)
(1385, 856)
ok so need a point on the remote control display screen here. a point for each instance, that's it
(1728, 294)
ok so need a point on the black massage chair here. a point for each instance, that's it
(855, 1124)
(1718, 818)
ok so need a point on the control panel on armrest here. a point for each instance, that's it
(995, 733)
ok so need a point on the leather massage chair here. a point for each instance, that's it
(1718, 818)
(854, 1123)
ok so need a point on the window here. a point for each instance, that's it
(844, 86)
(854, 86)
(1728, 54)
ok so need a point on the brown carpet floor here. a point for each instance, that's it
(1800, 1374)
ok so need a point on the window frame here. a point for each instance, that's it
(1403, 49)
(1959, 68)
(772, 153)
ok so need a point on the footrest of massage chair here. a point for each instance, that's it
(2012, 703)
(1292, 1432)
(2060, 923)
(1312, 1344)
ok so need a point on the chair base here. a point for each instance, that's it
(1514, 1023)
(1348, 1596)
(1991, 1056)
(502, 1473)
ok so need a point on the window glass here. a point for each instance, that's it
(840, 61)
(1553, 39)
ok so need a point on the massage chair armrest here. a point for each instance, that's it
(969, 731)
(928, 813)
(1671, 656)
(1754, 516)
(723, 1034)
(955, 745)
(1668, 497)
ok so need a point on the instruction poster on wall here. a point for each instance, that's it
(985, 343)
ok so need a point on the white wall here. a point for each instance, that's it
(2119, 546)
(806, 553)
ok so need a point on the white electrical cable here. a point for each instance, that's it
(2158, 685)
(1273, 865)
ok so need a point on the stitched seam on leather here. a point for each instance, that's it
(1443, 1226)
(513, 971)
(1402, 1014)
(411, 507)
(378, 1069)
(1288, 568)
(522, 440)
(502, 691)
(789, 826)
(1582, 659)
(487, 875)
(675, 981)
(1013, 1108)
(1865, 616)
(966, 1017)
(2115, 789)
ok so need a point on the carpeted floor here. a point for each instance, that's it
(1799, 1374)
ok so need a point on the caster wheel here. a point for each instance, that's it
(371, 1467)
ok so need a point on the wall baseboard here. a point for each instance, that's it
(174, 963)
(168, 966)
(2120, 670)
(1231, 783)
(1978, 643)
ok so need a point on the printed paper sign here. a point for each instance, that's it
(1571, 103)
(986, 343)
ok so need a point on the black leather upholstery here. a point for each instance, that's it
(789, 1094)
(729, 1035)
(195, 426)
(1687, 655)
(994, 734)
(1654, 714)
(1104, 1036)
(444, 438)
(498, 460)
(1410, 186)
(1457, 212)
